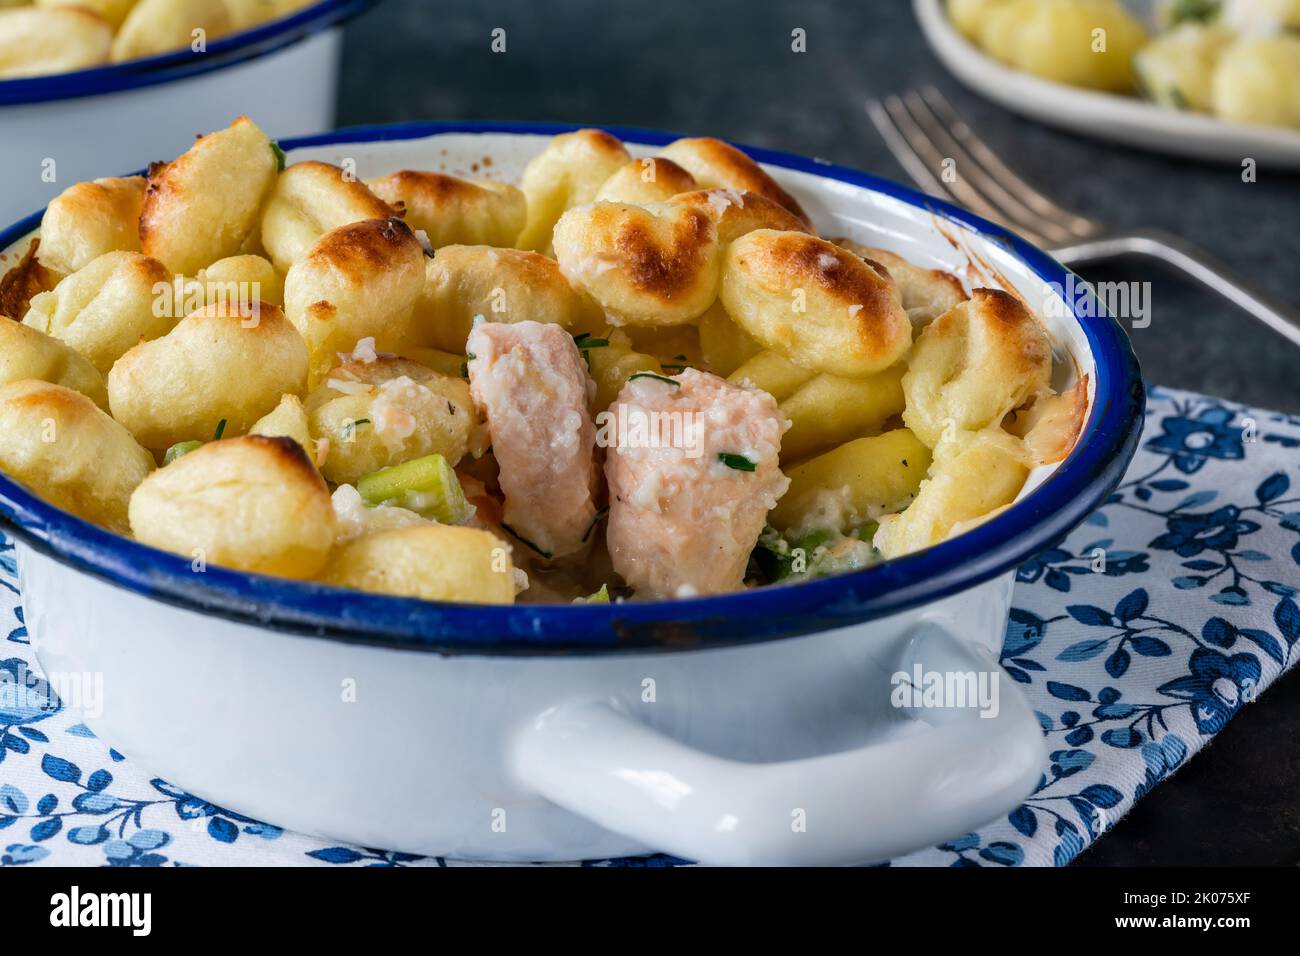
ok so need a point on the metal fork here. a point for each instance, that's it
(922, 130)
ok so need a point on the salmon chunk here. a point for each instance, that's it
(531, 382)
(692, 467)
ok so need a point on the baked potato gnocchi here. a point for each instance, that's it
(203, 206)
(62, 443)
(178, 387)
(90, 219)
(106, 307)
(42, 37)
(254, 503)
(358, 281)
(1235, 59)
(629, 377)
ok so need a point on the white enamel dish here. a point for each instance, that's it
(1106, 116)
(62, 129)
(748, 728)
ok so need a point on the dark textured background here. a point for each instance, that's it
(725, 68)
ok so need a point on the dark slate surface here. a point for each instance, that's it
(725, 68)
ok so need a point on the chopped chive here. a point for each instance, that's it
(738, 462)
(351, 429)
(600, 597)
(279, 156)
(675, 369)
(221, 430)
(594, 521)
(657, 378)
(180, 449)
(867, 532)
(545, 554)
(680, 358)
(464, 366)
(583, 343)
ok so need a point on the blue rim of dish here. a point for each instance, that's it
(1078, 485)
(182, 64)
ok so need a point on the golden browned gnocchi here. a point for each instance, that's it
(452, 211)
(974, 364)
(436, 563)
(67, 450)
(89, 219)
(339, 439)
(501, 285)
(644, 265)
(646, 180)
(252, 503)
(737, 212)
(383, 410)
(358, 281)
(309, 200)
(222, 364)
(106, 307)
(204, 205)
(36, 41)
(27, 353)
(817, 304)
(926, 293)
(719, 165)
(568, 173)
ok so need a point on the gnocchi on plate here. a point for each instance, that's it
(621, 378)
(1235, 59)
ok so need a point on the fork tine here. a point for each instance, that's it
(1012, 209)
(907, 157)
(1029, 196)
(921, 146)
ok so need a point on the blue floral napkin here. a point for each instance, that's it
(1136, 639)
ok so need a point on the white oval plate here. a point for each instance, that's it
(1121, 119)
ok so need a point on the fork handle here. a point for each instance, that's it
(1193, 262)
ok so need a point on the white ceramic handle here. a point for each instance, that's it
(857, 806)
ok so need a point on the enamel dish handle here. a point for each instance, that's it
(857, 806)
